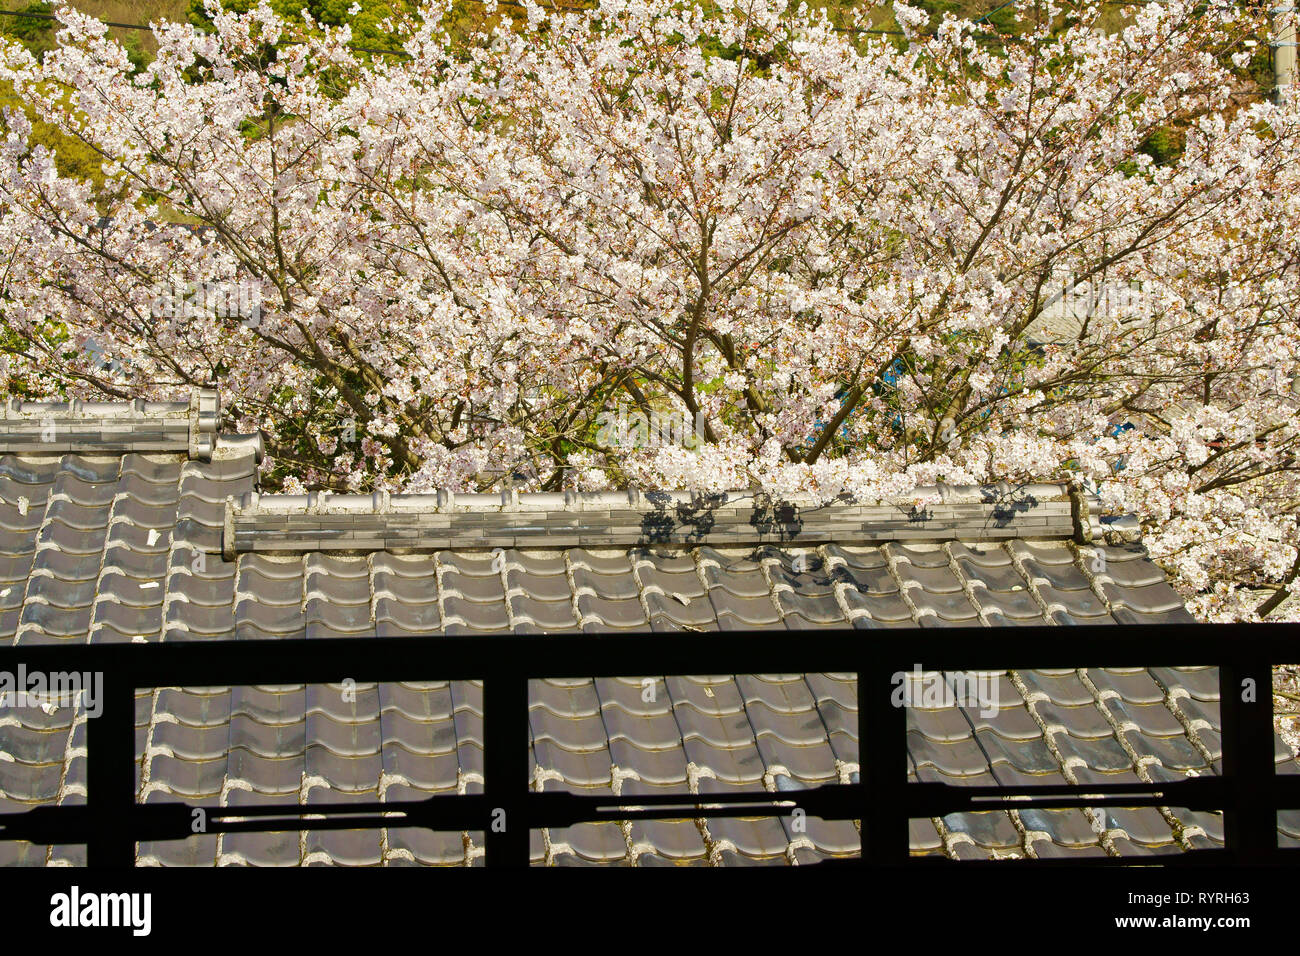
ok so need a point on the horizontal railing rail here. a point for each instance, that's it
(1248, 791)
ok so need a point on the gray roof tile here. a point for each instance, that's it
(1006, 774)
(920, 556)
(1127, 566)
(657, 769)
(961, 758)
(1175, 754)
(476, 616)
(741, 580)
(579, 734)
(344, 704)
(1201, 683)
(407, 622)
(577, 769)
(1011, 721)
(1149, 599)
(548, 615)
(621, 586)
(265, 739)
(951, 607)
(816, 608)
(1154, 719)
(199, 850)
(646, 732)
(261, 849)
(1065, 828)
(591, 843)
(673, 841)
(885, 609)
(872, 580)
(759, 838)
(185, 620)
(187, 778)
(1142, 825)
(810, 765)
(994, 579)
(1042, 552)
(1059, 577)
(682, 610)
(1084, 721)
(1045, 849)
(1124, 847)
(1101, 754)
(1062, 688)
(358, 773)
(539, 587)
(991, 829)
(728, 765)
(255, 619)
(476, 588)
(47, 623)
(857, 558)
(817, 582)
(30, 782)
(932, 580)
(1030, 758)
(1079, 604)
(191, 706)
(192, 743)
(622, 613)
(1133, 685)
(790, 695)
(1126, 615)
(565, 699)
(940, 724)
(113, 621)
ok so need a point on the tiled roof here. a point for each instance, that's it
(130, 541)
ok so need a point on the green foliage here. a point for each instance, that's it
(367, 28)
(34, 33)
(992, 16)
(136, 52)
(1004, 21)
(1164, 146)
(1260, 67)
(73, 158)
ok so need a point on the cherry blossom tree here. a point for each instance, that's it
(845, 261)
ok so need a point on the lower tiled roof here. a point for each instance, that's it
(127, 547)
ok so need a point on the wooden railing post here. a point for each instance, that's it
(1246, 711)
(111, 774)
(882, 762)
(505, 769)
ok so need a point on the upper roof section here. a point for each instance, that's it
(115, 428)
(110, 545)
(299, 524)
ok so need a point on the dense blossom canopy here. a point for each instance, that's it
(847, 262)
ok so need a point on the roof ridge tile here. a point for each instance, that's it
(428, 521)
(76, 426)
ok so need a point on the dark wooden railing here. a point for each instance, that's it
(1248, 791)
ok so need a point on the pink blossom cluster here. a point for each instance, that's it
(837, 253)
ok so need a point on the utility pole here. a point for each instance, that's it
(1283, 44)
